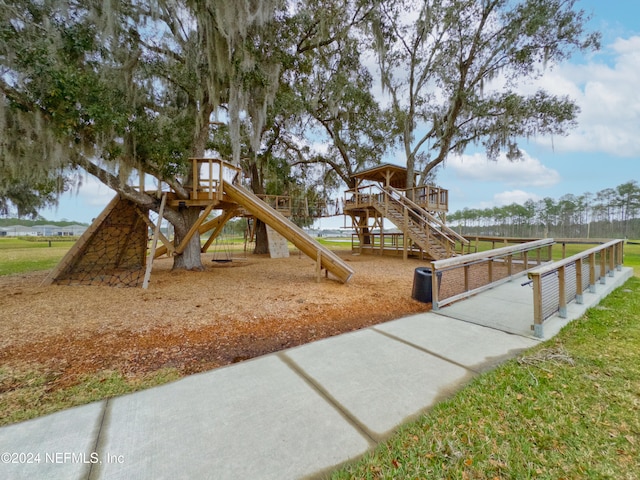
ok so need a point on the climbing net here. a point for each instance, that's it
(114, 254)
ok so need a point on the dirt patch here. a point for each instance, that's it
(195, 321)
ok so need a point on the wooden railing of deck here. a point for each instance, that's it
(280, 203)
(561, 282)
(427, 197)
(207, 184)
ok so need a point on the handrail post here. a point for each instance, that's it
(620, 254)
(562, 292)
(612, 259)
(537, 305)
(618, 257)
(603, 267)
(434, 289)
(405, 247)
(490, 270)
(579, 285)
(466, 278)
(592, 273)
(219, 187)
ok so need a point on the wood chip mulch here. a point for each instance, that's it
(195, 321)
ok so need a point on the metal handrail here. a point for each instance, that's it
(615, 250)
(465, 261)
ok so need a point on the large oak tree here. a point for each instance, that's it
(453, 71)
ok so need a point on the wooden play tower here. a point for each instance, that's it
(418, 215)
(114, 249)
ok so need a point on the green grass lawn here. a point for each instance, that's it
(569, 408)
(19, 255)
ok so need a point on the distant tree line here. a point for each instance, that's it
(10, 221)
(610, 213)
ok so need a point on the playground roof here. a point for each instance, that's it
(383, 173)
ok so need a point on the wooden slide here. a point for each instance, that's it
(326, 258)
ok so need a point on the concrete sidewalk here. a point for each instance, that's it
(291, 414)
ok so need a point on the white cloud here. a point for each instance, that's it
(94, 193)
(525, 172)
(513, 196)
(607, 93)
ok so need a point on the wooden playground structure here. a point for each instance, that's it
(115, 248)
(418, 213)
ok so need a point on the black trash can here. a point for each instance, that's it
(422, 284)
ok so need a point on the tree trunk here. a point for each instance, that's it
(262, 241)
(190, 258)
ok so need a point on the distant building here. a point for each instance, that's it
(42, 231)
(71, 230)
(46, 230)
(18, 231)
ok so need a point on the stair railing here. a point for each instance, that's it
(429, 225)
(426, 220)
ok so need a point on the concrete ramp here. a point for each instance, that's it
(285, 227)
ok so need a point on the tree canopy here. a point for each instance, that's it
(137, 87)
(453, 70)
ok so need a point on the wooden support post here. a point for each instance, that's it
(603, 267)
(592, 273)
(562, 292)
(579, 284)
(525, 257)
(537, 306)
(405, 251)
(434, 288)
(318, 266)
(619, 255)
(210, 194)
(490, 270)
(612, 259)
(154, 243)
(466, 278)
(196, 179)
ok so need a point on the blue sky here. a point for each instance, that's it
(602, 152)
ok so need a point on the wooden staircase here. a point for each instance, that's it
(423, 229)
